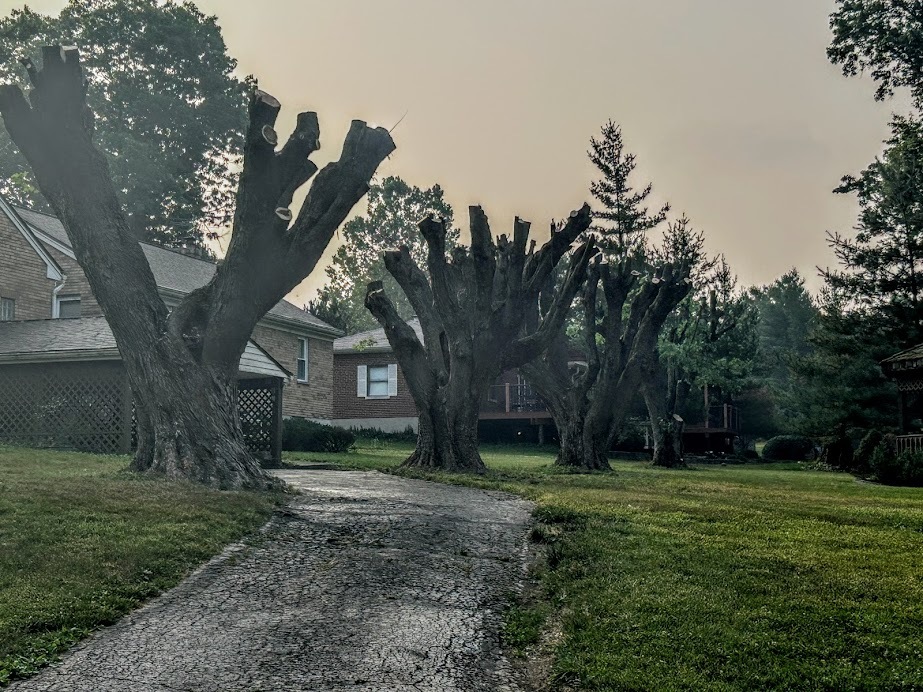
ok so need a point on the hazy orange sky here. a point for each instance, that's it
(731, 106)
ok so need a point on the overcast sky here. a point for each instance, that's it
(730, 105)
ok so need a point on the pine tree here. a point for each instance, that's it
(622, 218)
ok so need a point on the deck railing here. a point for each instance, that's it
(909, 443)
(512, 398)
(724, 416)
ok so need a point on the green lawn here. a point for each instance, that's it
(82, 542)
(719, 577)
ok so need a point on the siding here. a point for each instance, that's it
(77, 283)
(347, 405)
(311, 399)
(23, 275)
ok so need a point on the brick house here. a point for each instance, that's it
(370, 392)
(52, 331)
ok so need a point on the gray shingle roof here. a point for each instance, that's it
(90, 338)
(911, 359)
(175, 271)
(57, 336)
(372, 341)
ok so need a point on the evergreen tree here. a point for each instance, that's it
(882, 266)
(621, 215)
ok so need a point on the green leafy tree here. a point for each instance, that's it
(882, 265)
(883, 38)
(169, 112)
(787, 316)
(839, 383)
(395, 209)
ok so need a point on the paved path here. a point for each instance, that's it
(368, 582)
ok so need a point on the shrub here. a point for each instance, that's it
(885, 465)
(378, 435)
(300, 435)
(911, 464)
(750, 454)
(863, 457)
(788, 448)
(838, 452)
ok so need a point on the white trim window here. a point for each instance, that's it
(67, 307)
(302, 361)
(376, 381)
(7, 309)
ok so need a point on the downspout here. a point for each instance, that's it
(55, 306)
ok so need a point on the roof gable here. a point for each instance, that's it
(372, 341)
(52, 270)
(173, 271)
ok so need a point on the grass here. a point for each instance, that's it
(82, 542)
(715, 578)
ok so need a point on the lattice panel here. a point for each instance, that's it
(63, 406)
(256, 408)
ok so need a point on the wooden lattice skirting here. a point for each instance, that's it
(87, 407)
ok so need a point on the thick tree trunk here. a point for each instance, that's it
(189, 428)
(668, 443)
(580, 448)
(446, 444)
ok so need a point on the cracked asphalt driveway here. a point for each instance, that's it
(365, 582)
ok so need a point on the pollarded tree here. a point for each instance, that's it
(182, 365)
(169, 113)
(472, 311)
(620, 331)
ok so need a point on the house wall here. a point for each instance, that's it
(393, 414)
(312, 399)
(77, 283)
(23, 275)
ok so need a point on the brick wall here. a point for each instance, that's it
(311, 399)
(77, 283)
(23, 275)
(347, 405)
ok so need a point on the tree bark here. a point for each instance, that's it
(182, 365)
(445, 443)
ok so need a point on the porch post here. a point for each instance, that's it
(276, 442)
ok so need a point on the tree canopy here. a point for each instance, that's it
(882, 265)
(390, 222)
(169, 112)
(883, 38)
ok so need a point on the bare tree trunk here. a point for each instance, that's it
(447, 444)
(182, 365)
(666, 426)
(190, 429)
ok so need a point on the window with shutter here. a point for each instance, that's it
(378, 380)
